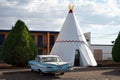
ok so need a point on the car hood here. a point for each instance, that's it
(57, 63)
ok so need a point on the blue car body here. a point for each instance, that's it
(49, 64)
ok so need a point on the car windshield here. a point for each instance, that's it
(51, 59)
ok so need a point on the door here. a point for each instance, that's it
(77, 58)
(98, 54)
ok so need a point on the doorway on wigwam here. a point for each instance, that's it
(77, 58)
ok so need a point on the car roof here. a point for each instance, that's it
(47, 56)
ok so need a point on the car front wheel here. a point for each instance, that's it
(31, 69)
(40, 72)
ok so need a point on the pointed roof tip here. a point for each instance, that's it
(71, 6)
(70, 11)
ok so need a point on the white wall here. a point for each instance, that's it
(106, 49)
(88, 37)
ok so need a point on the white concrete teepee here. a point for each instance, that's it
(71, 42)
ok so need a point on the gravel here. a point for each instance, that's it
(79, 73)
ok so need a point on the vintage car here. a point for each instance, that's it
(49, 64)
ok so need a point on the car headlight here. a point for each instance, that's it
(70, 67)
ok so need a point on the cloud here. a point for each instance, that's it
(101, 16)
(97, 27)
(38, 14)
(44, 5)
(40, 24)
(6, 3)
(88, 11)
(103, 27)
(98, 15)
(110, 8)
(7, 22)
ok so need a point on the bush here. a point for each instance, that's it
(116, 49)
(19, 47)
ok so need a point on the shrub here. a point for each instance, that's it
(19, 47)
(116, 49)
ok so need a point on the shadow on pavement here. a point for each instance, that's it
(77, 69)
(115, 72)
(26, 75)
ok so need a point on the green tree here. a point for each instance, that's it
(19, 47)
(116, 49)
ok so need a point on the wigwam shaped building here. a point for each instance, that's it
(71, 44)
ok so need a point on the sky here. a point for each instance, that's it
(100, 17)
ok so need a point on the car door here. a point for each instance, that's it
(35, 67)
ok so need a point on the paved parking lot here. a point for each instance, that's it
(79, 73)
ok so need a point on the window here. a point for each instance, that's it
(52, 40)
(0, 54)
(39, 51)
(2, 38)
(40, 40)
(51, 59)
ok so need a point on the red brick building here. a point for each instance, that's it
(44, 40)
